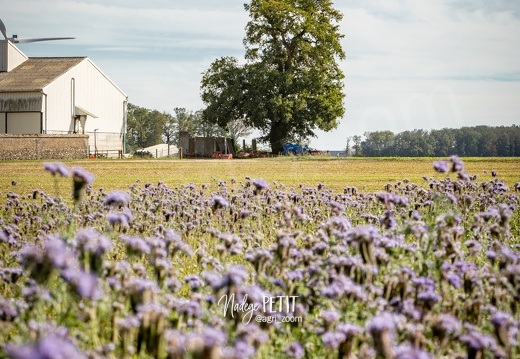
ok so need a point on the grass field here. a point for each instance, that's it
(366, 174)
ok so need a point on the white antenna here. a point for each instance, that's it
(15, 40)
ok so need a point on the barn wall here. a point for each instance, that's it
(87, 87)
(36, 147)
(2, 122)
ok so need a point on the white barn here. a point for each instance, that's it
(61, 95)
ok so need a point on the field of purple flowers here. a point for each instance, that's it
(249, 269)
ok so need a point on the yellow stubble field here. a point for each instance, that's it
(366, 174)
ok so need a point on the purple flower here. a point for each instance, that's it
(10, 275)
(214, 337)
(81, 179)
(57, 168)
(56, 252)
(454, 280)
(194, 281)
(92, 241)
(382, 322)
(117, 198)
(82, 176)
(237, 274)
(8, 310)
(218, 202)
(477, 341)
(123, 218)
(85, 284)
(457, 164)
(243, 350)
(441, 166)
(406, 351)
(50, 347)
(329, 315)
(463, 176)
(333, 339)
(349, 329)
(364, 233)
(428, 298)
(135, 244)
(500, 318)
(294, 350)
(260, 184)
(447, 323)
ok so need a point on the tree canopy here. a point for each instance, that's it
(291, 84)
(478, 141)
(145, 127)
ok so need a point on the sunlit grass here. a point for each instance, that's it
(365, 174)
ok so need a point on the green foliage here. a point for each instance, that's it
(150, 127)
(479, 141)
(291, 84)
(145, 127)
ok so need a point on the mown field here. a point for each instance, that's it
(271, 258)
(365, 174)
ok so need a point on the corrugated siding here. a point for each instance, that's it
(20, 101)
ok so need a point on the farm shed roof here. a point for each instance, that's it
(36, 73)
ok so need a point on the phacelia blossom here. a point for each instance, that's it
(50, 346)
(294, 350)
(260, 184)
(441, 166)
(457, 164)
(85, 284)
(117, 198)
(81, 179)
(57, 168)
(218, 202)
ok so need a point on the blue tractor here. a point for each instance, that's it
(295, 149)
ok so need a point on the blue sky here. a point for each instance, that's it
(410, 64)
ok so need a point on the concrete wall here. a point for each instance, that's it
(35, 147)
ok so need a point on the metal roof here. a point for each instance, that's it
(36, 73)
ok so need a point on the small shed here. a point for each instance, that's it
(60, 96)
(205, 146)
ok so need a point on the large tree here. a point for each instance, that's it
(291, 84)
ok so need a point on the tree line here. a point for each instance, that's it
(478, 141)
(147, 127)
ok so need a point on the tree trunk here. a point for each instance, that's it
(277, 137)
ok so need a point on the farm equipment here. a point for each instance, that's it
(295, 149)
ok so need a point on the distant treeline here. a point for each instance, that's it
(479, 141)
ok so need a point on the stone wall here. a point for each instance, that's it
(36, 147)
